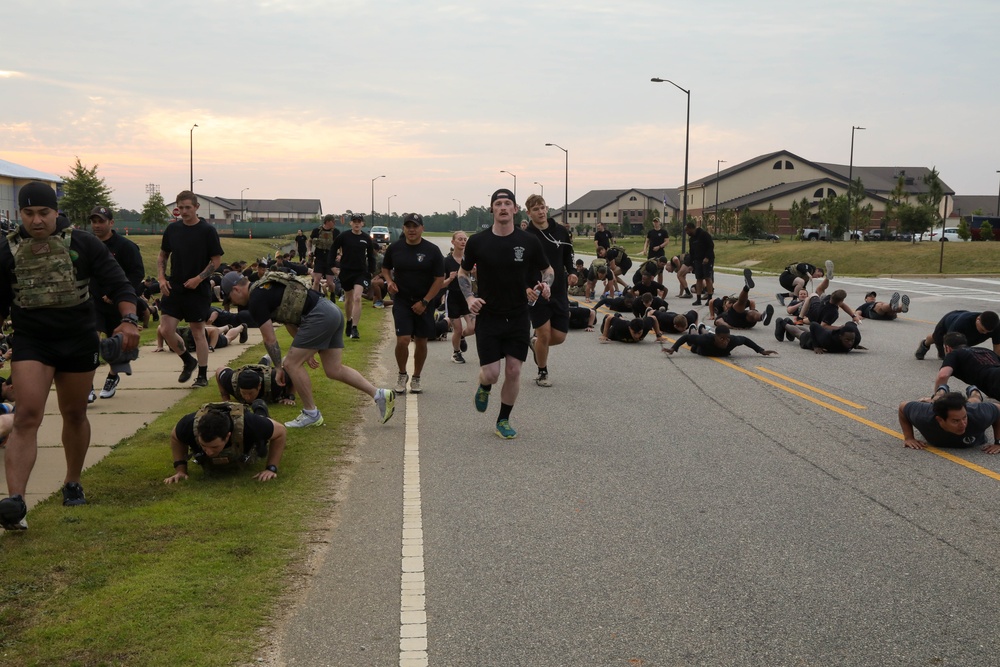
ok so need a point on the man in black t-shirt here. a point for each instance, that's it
(620, 330)
(742, 314)
(873, 309)
(602, 238)
(300, 245)
(819, 338)
(951, 420)
(657, 239)
(317, 327)
(977, 327)
(977, 366)
(204, 438)
(720, 343)
(357, 252)
(795, 277)
(193, 249)
(504, 258)
(549, 317)
(413, 269)
(702, 253)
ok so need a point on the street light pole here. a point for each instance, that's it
(388, 215)
(241, 203)
(566, 205)
(373, 198)
(542, 187)
(510, 173)
(191, 138)
(687, 144)
(458, 218)
(997, 212)
(718, 163)
(850, 178)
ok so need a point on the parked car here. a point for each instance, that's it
(875, 235)
(950, 234)
(766, 236)
(901, 236)
(380, 235)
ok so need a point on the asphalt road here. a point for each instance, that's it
(669, 511)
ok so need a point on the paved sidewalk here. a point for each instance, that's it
(141, 397)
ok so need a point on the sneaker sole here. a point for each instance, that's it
(505, 437)
(906, 303)
(748, 278)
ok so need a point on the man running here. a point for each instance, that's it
(657, 239)
(192, 247)
(357, 264)
(413, 269)
(549, 317)
(504, 257)
(320, 241)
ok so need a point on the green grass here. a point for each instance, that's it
(235, 248)
(855, 259)
(149, 574)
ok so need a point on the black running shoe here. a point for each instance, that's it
(200, 381)
(748, 279)
(189, 369)
(12, 513)
(768, 314)
(244, 334)
(779, 329)
(73, 494)
(922, 350)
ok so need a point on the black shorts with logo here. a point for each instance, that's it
(498, 337)
(76, 354)
(349, 280)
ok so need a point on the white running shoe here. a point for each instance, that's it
(305, 420)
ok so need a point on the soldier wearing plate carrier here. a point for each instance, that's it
(45, 273)
(316, 325)
(320, 241)
(223, 435)
(248, 383)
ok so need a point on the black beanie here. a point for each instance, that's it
(37, 194)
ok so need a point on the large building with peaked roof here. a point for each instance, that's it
(225, 210)
(12, 177)
(775, 180)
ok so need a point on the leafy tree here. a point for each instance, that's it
(964, 232)
(915, 219)
(752, 224)
(798, 216)
(986, 231)
(897, 198)
(935, 192)
(771, 220)
(154, 211)
(861, 216)
(83, 189)
(834, 214)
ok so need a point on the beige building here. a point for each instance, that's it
(222, 210)
(12, 177)
(776, 179)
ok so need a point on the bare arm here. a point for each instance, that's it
(909, 437)
(179, 451)
(275, 448)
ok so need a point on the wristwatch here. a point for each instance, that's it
(131, 318)
(425, 302)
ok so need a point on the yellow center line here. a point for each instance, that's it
(813, 389)
(878, 427)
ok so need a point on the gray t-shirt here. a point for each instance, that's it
(981, 417)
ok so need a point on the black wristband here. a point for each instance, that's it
(178, 464)
(272, 468)
(425, 302)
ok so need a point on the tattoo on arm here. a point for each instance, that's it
(274, 351)
(207, 271)
(548, 276)
(161, 263)
(465, 285)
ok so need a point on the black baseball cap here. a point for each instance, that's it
(102, 212)
(502, 193)
(415, 218)
(357, 216)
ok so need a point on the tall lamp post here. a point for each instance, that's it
(388, 215)
(191, 142)
(718, 164)
(997, 213)
(241, 203)
(373, 197)
(850, 178)
(458, 217)
(566, 205)
(542, 187)
(687, 138)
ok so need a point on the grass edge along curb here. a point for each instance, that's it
(150, 574)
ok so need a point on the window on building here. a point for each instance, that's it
(818, 193)
(633, 198)
(830, 192)
(777, 165)
(789, 165)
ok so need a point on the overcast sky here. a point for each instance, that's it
(315, 98)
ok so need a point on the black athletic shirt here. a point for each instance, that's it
(559, 253)
(504, 264)
(603, 239)
(450, 266)
(964, 321)
(704, 345)
(191, 248)
(92, 262)
(414, 267)
(981, 417)
(973, 365)
(657, 237)
(829, 339)
(357, 253)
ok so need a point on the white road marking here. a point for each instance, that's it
(412, 610)
(911, 287)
